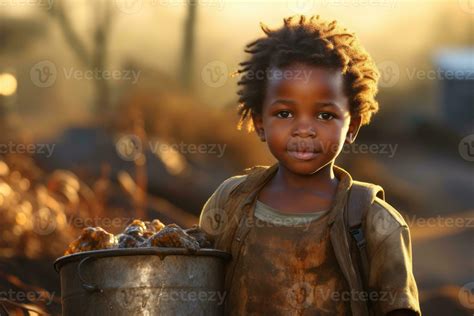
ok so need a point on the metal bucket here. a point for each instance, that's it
(143, 281)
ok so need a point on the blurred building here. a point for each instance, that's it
(455, 69)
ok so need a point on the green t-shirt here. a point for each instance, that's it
(269, 214)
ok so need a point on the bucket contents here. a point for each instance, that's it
(140, 234)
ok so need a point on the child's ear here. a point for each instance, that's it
(258, 125)
(354, 127)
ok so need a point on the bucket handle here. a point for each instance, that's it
(89, 287)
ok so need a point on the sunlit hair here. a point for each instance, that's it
(314, 42)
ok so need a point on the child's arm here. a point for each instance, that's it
(390, 258)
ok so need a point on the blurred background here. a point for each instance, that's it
(118, 109)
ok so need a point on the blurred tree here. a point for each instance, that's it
(16, 35)
(96, 59)
(187, 55)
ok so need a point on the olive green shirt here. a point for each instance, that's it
(269, 214)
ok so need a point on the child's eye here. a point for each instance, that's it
(284, 114)
(325, 116)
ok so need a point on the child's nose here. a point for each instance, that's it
(304, 128)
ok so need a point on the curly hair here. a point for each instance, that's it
(314, 42)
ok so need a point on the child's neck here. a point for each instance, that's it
(323, 181)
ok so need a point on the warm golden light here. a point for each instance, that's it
(8, 84)
(173, 160)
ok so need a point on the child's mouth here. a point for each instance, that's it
(303, 155)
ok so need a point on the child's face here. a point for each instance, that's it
(305, 117)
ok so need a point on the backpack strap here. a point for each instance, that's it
(361, 196)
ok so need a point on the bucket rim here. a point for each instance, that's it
(155, 251)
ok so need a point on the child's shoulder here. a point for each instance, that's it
(224, 190)
(382, 221)
(381, 208)
(228, 185)
(379, 211)
(211, 218)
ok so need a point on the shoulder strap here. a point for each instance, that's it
(361, 197)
